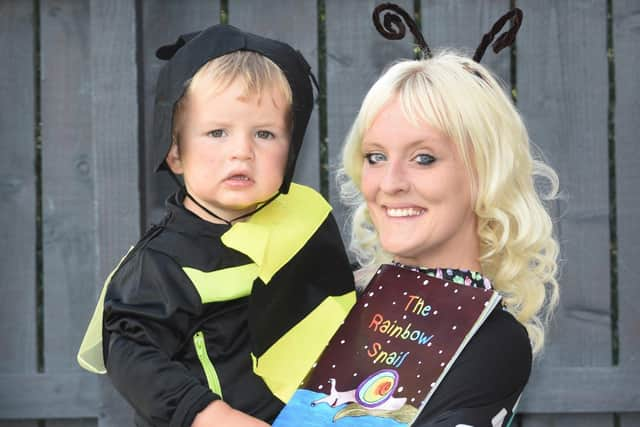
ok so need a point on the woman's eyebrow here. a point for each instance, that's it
(371, 144)
(430, 143)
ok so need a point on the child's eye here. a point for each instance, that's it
(265, 134)
(424, 159)
(374, 158)
(217, 133)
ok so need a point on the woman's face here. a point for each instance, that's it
(418, 191)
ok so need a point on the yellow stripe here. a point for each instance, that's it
(286, 363)
(223, 285)
(90, 355)
(273, 235)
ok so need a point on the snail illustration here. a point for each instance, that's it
(375, 392)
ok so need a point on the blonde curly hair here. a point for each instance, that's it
(465, 101)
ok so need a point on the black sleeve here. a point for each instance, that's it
(486, 381)
(148, 310)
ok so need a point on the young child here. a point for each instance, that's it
(216, 314)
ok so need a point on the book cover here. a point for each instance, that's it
(392, 351)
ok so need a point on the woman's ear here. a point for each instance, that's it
(173, 160)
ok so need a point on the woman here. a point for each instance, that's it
(440, 176)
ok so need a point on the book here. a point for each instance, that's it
(391, 353)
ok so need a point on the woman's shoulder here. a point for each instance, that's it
(501, 328)
(492, 370)
(501, 350)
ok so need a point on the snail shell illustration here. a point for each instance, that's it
(377, 388)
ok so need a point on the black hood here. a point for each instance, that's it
(192, 51)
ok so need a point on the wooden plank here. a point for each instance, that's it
(18, 217)
(302, 33)
(114, 109)
(566, 390)
(68, 423)
(573, 390)
(68, 179)
(114, 112)
(626, 39)
(162, 23)
(562, 92)
(69, 248)
(18, 351)
(356, 55)
(18, 423)
(460, 25)
(49, 396)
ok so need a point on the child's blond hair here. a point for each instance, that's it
(257, 73)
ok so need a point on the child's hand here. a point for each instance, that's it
(220, 414)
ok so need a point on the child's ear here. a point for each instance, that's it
(173, 159)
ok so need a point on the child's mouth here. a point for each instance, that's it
(239, 181)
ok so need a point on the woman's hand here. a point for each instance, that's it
(219, 414)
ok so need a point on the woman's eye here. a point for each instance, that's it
(265, 134)
(424, 159)
(374, 158)
(216, 133)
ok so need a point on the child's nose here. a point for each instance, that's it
(242, 148)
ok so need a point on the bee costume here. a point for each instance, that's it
(198, 311)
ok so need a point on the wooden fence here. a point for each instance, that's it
(76, 98)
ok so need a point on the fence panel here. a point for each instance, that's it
(356, 55)
(96, 100)
(563, 91)
(68, 218)
(302, 33)
(115, 124)
(162, 23)
(461, 25)
(626, 39)
(19, 350)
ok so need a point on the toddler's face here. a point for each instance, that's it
(232, 149)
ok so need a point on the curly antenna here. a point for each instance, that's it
(392, 27)
(505, 39)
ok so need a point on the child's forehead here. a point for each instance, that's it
(243, 88)
(239, 90)
(233, 104)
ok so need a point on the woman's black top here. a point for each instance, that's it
(485, 383)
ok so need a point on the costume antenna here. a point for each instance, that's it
(393, 28)
(505, 39)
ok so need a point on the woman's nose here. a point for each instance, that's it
(394, 179)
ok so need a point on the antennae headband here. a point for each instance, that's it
(392, 27)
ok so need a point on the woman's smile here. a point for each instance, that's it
(403, 212)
